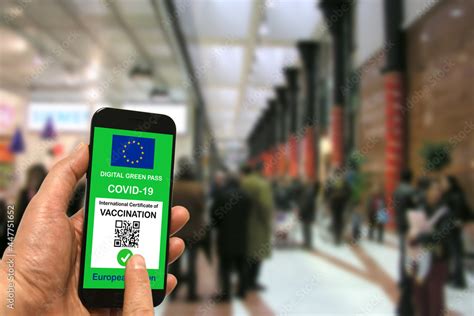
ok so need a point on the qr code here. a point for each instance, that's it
(127, 233)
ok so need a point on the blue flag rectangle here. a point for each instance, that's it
(132, 152)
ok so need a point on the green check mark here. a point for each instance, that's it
(123, 256)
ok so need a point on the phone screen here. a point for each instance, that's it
(130, 182)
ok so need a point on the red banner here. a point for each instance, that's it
(394, 136)
(310, 165)
(293, 156)
(271, 162)
(337, 135)
(267, 158)
(281, 158)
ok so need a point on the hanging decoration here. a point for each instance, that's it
(17, 145)
(48, 131)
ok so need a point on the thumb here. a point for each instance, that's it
(137, 299)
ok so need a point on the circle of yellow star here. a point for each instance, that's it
(136, 160)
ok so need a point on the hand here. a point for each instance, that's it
(47, 247)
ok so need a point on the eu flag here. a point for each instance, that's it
(132, 152)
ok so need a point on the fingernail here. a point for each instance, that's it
(138, 262)
(78, 146)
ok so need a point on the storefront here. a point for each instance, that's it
(440, 97)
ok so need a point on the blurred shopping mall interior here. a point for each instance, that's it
(332, 93)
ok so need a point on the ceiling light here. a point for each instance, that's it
(325, 145)
(17, 44)
(456, 13)
(139, 72)
(159, 94)
(92, 71)
(92, 94)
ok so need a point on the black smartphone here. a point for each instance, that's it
(128, 203)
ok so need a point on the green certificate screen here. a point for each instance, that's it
(128, 205)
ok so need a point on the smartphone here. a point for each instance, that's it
(127, 205)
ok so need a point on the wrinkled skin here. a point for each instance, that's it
(47, 249)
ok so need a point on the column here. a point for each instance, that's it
(283, 135)
(291, 76)
(253, 145)
(199, 127)
(259, 141)
(336, 13)
(309, 51)
(395, 126)
(273, 141)
(265, 132)
(250, 146)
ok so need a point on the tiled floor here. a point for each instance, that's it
(345, 280)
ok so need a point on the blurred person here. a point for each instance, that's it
(283, 201)
(282, 195)
(296, 190)
(357, 221)
(189, 192)
(337, 196)
(47, 253)
(260, 218)
(218, 186)
(218, 183)
(454, 197)
(357, 183)
(307, 211)
(376, 211)
(34, 178)
(433, 239)
(422, 185)
(229, 213)
(404, 199)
